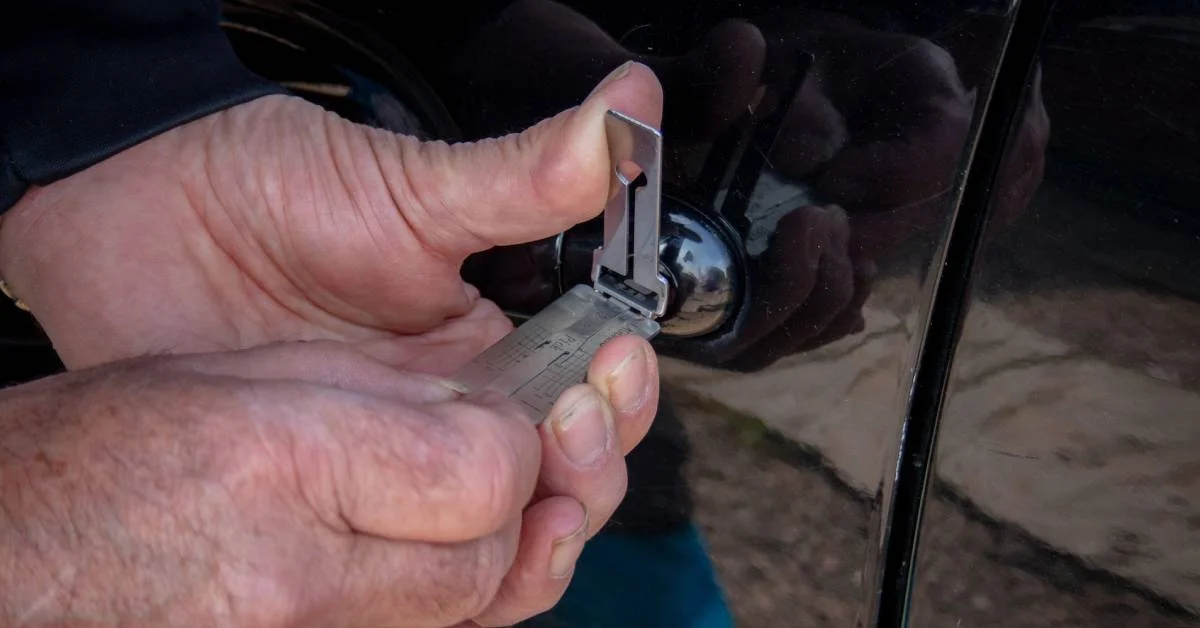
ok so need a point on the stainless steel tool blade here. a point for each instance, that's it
(551, 351)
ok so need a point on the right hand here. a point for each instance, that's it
(301, 483)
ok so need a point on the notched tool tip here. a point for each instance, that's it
(552, 350)
(625, 268)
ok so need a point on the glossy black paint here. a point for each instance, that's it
(726, 183)
(1074, 448)
(817, 465)
(946, 313)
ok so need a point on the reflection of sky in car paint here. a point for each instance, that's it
(772, 199)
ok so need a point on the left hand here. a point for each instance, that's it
(303, 484)
(276, 220)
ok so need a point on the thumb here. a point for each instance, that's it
(464, 198)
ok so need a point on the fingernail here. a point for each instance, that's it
(584, 430)
(629, 382)
(566, 551)
(613, 76)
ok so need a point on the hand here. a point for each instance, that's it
(880, 174)
(276, 220)
(880, 128)
(302, 483)
(876, 133)
(807, 291)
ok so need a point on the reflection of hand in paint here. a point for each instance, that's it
(869, 149)
(880, 128)
(866, 157)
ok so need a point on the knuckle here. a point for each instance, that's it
(453, 594)
(491, 566)
(469, 579)
(495, 493)
(488, 465)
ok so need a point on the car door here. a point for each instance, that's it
(933, 355)
(1063, 487)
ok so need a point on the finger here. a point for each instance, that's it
(323, 362)
(814, 131)
(408, 585)
(625, 371)
(552, 538)
(851, 320)
(444, 350)
(464, 198)
(832, 291)
(918, 160)
(786, 273)
(445, 472)
(833, 310)
(582, 456)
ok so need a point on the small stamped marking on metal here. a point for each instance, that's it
(551, 351)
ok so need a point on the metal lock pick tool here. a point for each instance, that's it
(551, 351)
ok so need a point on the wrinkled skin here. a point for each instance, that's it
(336, 482)
(276, 220)
(294, 484)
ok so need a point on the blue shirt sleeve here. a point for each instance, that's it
(81, 80)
